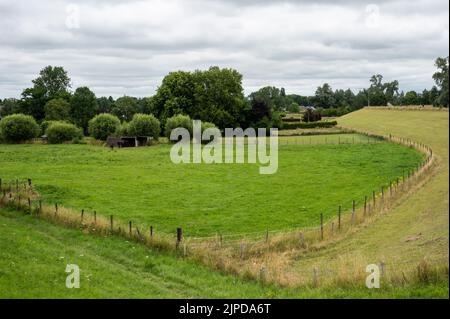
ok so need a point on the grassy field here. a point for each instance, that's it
(34, 255)
(143, 185)
(415, 231)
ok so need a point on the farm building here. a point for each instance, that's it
(128, 141)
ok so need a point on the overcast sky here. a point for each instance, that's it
(126, 47)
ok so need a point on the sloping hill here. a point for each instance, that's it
(417, 229)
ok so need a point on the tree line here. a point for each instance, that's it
(215, 95)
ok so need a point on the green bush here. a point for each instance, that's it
(57, 110)
(18, 128)
(123, 130)
(144, 125)
(60, 132)
(103, 125)
(205, 126)
(176, 121)
(306, 125)
(45, 125)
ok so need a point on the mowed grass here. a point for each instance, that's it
(144, 186)
(34, 255)
(423, 216)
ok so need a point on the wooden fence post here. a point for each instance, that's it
(82, 216)
(353, 211)
(130, 230)
(315, 277)
(56, 209)
(374, 199)
(111, 222)
(29, 204)
(365, 204)
(321, 225)
(151, 232)
(179, 236)
(339, 217)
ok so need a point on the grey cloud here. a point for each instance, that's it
(126, 47)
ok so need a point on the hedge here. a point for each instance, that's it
(305, 125)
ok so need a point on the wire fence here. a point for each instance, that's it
(21, 195)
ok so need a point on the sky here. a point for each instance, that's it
(121, 48)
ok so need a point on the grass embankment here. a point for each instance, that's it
(414, 232)
(144, 186)
(34, 255)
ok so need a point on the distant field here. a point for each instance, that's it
(143, 185)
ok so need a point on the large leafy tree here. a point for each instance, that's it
(125, 107)
(83, 107)
(411, 98)
(9, 106)
(380, 93)
(441, 79)
(104, 104)
(52, 82)
(214, 95)
(274, 97)
(324, 96)
(57, 110)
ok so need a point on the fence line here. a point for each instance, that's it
(21, 195)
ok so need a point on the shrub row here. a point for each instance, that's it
(18, 128)
(306, 125)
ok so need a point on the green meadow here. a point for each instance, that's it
(143, 185)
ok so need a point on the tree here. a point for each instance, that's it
(57, 110)
(214, 95)
(52, 82)
(379, 93)
(83, 106)
(293, 108)
(125, 107)
(104, 104)
(411, 98)
(324, 96)
(9, 106)
(274, 97)
(441, 79)
(259, 112)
